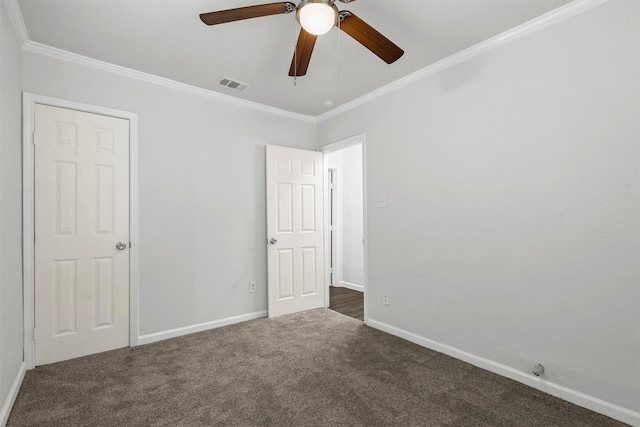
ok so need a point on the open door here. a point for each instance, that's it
(295, 232)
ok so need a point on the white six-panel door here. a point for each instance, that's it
(294, 230)
(81, 214)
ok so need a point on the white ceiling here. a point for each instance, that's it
(166, 38)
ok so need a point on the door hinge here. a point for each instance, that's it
(34, 333)
(33, 137)
(129, 245)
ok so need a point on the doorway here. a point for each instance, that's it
(345, 224)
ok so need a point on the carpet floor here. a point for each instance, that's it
(318, 368)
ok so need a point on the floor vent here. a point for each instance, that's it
(233, 84)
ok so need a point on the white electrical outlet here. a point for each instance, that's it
(382, 201)
(385, 299)
(252, 287)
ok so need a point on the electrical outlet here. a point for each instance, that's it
(385, 299)
(538, 370)
(252, 286)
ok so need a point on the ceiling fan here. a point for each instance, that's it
(316, 17)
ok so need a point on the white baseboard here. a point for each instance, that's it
(13, 393)
(172, 333)
(597, 405)
(350, 285)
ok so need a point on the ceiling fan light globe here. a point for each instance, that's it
(317, 18)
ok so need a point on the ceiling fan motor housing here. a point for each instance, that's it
(317, 17)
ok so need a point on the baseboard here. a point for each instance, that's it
(581, 399)
(13, 393)
(350, 285)
(172, 333)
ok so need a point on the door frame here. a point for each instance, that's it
(29, 101)
(325, 150)
(331, 223)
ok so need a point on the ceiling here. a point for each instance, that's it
(166, 38)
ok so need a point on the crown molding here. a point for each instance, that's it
(15, 15)
(557, 15)
(67, 56)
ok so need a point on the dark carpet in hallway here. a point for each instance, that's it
(317, 368)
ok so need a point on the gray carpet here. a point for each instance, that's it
(318, 368)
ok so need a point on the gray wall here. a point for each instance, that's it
(512, 186)
(512, 223)
(202, 190)
(10, 207)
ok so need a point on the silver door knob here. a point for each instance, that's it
(121, 246)
(273, 241)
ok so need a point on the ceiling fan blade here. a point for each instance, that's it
(230, 15)
(369, 37)
(302, 56)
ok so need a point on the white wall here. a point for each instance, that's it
(11, 338)
(201, 185)
(348, 164)
(512, 223)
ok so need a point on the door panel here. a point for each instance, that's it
(81, 212)
(284, 214)
(103, 288)
(308, 207)
(66, 198)
(104, 199)
(295, 226)
(309, 284)
(284, 275)
(65, 302)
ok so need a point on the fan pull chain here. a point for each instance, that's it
(295, 56)
(339, 47)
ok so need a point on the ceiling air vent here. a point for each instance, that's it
(233, 84)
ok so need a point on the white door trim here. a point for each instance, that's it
(29, 100)
(348, 142)
(332, 232)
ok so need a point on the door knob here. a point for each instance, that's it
(121, 246)
(273, 241)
